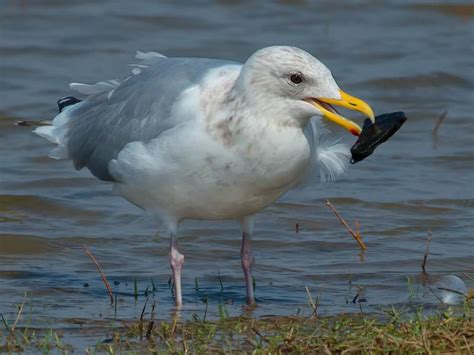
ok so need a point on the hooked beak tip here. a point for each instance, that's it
(347, 101)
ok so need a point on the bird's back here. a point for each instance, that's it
(114, 113)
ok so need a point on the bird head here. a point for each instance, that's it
(291, 85)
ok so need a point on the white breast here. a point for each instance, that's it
(187, 174)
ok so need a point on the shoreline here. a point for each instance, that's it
(420, 330)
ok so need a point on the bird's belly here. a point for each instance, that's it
(188, 198)
(225, 203)
(206, 182)
(217, 195)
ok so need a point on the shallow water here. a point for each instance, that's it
(410, 56)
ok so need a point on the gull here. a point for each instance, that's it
(206, 139)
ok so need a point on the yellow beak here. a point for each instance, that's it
(346, 101)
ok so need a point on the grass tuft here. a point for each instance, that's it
(391, 331)
(394, 332)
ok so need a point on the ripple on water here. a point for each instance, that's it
(463, 11)
(19, 244)
(35, 205)
(47, 209)
(441, 79)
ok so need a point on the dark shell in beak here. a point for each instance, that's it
(373, 135)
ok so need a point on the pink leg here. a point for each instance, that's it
(246, 257)
(176, 261)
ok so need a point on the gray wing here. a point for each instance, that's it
(138, 109)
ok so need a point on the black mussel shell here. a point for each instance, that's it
(374, 134)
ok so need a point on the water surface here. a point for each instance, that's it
(410, 56)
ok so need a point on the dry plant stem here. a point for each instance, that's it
(436, 128)
(140, 324)
(20, 310)
(149, 330)
(427, 251)
(439, 122)
(102, 275)
(356, 235)
(314, 306)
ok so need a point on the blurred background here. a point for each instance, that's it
(414, 56)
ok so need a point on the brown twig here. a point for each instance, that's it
(427, 251)
(438, 123)
(355, 235)
(34, 123)
(149, 330)
(152, 321)
(140, 325)
(102, 275)
(20, 310)
(436, 128)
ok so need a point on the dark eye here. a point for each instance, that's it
(296, 78)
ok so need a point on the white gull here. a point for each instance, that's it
(192, 138)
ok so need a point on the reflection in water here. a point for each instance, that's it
(48, 210)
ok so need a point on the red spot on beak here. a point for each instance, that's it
(355, 133)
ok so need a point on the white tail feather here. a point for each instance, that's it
(47, 133)
(56, 132)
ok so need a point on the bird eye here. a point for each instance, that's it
(296, 78)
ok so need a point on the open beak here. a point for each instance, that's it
(346, 101)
